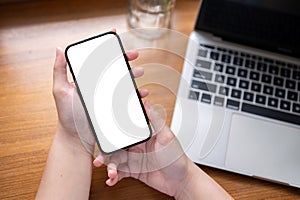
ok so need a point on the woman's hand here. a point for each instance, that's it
(72, 121)
(160, 162)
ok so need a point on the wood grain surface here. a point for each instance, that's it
(29, 33)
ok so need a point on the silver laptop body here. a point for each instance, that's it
(238, 106)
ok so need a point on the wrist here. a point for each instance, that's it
(198, 185)
(188, 183)
(72, 142)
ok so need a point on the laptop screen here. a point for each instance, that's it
(268, 24)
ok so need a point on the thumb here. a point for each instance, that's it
(157, 117)
(60, 70)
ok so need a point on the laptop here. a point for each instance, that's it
(238, 102)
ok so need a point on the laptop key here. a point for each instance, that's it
(266, 78)
(231, 81)
(278, 62)
(292, 96)
(261, 67)
(268, 90)
(280, 93)
(236, 93)
(273, 69)
(226, 58)
(230, 70)
(219, 101)
(193, 95)
(202, 53)
(204, 86)
(290, 84)
(218, 67)
(285, 105)
(219, 78)
(278, 81)
(203, 64)
(285, 72)
(254, 57)
(254, 76)
(248, 96)
(238, 61)
(260, 99)
(244, 84)
(224, 90)
(270, 113)
(259, 58)
(256, 87)
(231, 52)
(242, 73)
(296, 75)
(206, 98)
(207, 46)
(296, 108)
(231, 104)
(214, 55)
(269, 60)
(202, 75)
(221, 49)
(250, 64)
(273, 102)
(292, 66)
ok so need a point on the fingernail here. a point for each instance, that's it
(139, 69)
(144, 91)
(98, 161)
(58, 49)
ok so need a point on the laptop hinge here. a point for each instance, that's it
(216, 38)
(210, 36)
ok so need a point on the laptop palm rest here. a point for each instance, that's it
(264, 149)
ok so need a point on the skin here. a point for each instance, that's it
(160, 162)
(67, 174)
(167, 170)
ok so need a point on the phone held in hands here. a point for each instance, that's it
(108, 92)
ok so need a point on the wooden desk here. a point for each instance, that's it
(29, 33)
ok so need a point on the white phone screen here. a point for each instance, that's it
(108, 92)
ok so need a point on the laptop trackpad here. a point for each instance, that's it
(261, 148)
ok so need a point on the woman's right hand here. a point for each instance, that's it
(162, 164)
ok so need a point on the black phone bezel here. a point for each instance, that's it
(133, 81)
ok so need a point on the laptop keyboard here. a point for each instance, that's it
(246, 82)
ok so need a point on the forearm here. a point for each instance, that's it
(200, 186)
(68, 170)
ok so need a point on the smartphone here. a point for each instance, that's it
(108, 92)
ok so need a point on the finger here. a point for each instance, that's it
(155, 114)
(138, 72)
(114, 176)
(99, 160)
(147, 106)
(113, 30)
(163, 133)
(120, 175)
(143, 93)
(165, 136)
(60, 78)
(112, 181)
(112, 170)
(131, 55)
(114, 160)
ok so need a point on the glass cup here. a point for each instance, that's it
(150, 18)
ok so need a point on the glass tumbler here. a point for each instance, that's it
(150, 18)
